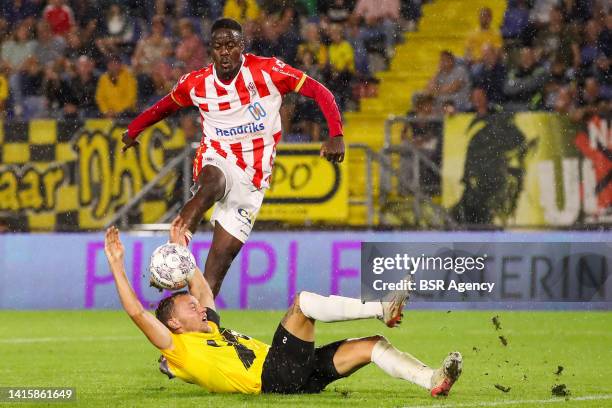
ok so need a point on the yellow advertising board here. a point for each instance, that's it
(305, 186)
(74, 176)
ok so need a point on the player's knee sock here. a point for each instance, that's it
(337, 308)
(401, 365)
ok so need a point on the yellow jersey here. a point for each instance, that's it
(221, 361)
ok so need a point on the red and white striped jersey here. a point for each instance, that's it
(241, 120)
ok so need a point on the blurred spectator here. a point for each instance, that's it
(451, 84)
(604, 42)
(423, 131)
(558, 39)
(336, 11)
(82, 87)
(589, 43)
(590, 102)
(33, 102)
(381, 19)
(602, 72)
(565, 101)
(312, 45)
(484, 35)
(516, 20)
(59, 16)
(241, 10)
(578, 11)
(308, 116)
(56, 91)
(161, 83)
(119, 32)
(540, 12)
(341, 66)
(116, 90)
(17, 49)
(49, 48)
(277, 38)
(560, 78)
(411, 12)
(525, 84)
(190, 49)
(152, 49)
(15, 11)
(490, 74)
(480, 103)
(590, 96)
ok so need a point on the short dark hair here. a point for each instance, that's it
(166, 306)
(227, 23)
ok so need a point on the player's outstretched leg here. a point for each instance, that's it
(338, 308)
(225, 247)
(403, 365)
(352, 354)
(211, 188)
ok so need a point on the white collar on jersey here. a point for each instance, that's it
(231, 84)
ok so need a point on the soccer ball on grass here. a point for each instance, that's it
(170, 267)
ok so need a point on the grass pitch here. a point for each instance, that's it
(112, 365)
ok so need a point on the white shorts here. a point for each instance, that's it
(241, 202)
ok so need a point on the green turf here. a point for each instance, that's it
(112, 365)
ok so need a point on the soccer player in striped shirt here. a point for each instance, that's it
(238, 96)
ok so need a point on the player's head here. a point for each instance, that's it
(181, 312)
(227, 45)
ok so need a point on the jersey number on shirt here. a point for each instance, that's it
(245, 354)
(257, 111)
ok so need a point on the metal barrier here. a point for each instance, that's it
(183, 159)
(401, 170)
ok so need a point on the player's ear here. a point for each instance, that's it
(174, 324)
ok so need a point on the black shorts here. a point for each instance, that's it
(295, 366)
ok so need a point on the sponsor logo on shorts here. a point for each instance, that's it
(246, 216)
(241, 130)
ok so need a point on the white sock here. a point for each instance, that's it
(337, 308)
(401, 365)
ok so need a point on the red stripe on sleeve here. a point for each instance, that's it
(260, 83)
(237, 150)
(325, 99)
(243, 92)
(218, 148)
(161, 110)
(258, 148)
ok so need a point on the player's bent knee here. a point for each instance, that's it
(212, 182)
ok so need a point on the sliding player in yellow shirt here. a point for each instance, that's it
(187, 331)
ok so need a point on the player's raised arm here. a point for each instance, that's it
(198, 287)
(333, 148)
(156, 332)
(169, 104)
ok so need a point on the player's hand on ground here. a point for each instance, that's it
(128, 141)
(333, 149)
(113, 248)
(178, 228)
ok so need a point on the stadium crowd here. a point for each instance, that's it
(551, 55)
(80, 59)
